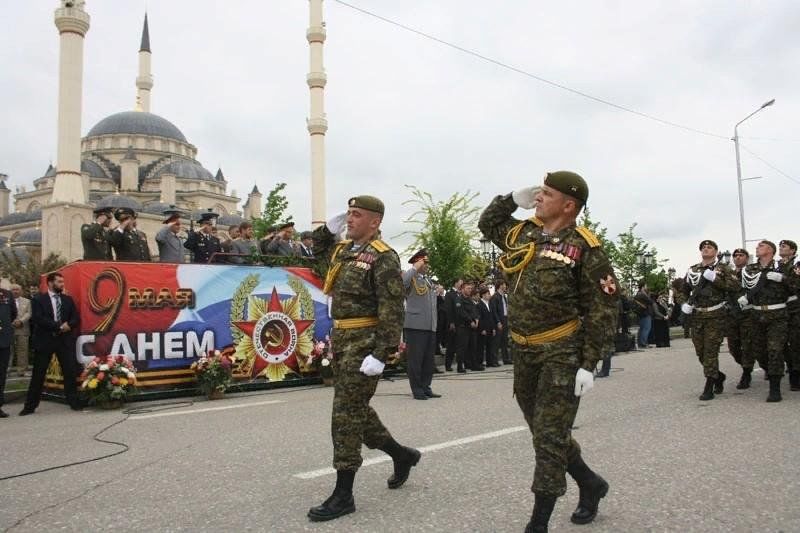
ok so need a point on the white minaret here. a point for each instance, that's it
(72, 23)
(144, 81)
(317, 123)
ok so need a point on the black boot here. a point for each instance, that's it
(404, 460)
(774, 389)
(542, 509)
(794, 380)
(341, 501)
(744, 382)
(708, 391)
(719, 383)
(592, 488)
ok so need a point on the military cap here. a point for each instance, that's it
(370, 203)
(207, 216)
(790, 244)
(306, 235)
(103, 211)
(124, 211)
(285, 225)
(709, 242)
(172, 214)
(741, 251)
(417, 256)
(568, 183)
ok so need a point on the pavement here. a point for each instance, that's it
(258, 461)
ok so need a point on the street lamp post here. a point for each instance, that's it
(489, 253)
(739, 168)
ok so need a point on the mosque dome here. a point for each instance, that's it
(29, 236)
(118, 200)
(138, 123)
(229, 220)
(186, 168)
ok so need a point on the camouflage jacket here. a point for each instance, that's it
(130, 245)
(763, 291)
(364, 281)
(96, 243)
(794, 304)
(734, 309)
(554, 279)
(703, 293)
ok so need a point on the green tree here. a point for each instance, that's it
(22, 270)
(601, 231)
(274, 211)
(447, 229)
(627, 258)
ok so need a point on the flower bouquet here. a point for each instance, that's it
(213, 373)
(108, 379)
(322, 357)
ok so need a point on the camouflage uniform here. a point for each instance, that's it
(792, 351)
(770, 326)
(96, 243)
(740, 328)
(555, 281)
(130, 245)
(709, 314)
(365, 282)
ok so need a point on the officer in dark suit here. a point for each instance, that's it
(54, 319)
(95, 236)
(450, 299)
(499, 305)
(8, 314)
(467, 316)
(129, 243)
(306, 247)
(203, 244)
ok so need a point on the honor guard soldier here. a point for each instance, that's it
(739, 331)
(563, 299)
(707, 286)
(128, 242)
(788, 252)
(366, 288)
(204, 245)
(768, 286)
(95, 236)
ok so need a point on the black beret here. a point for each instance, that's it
(709, 242)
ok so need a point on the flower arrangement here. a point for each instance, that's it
(321, 358)
(213, 372)
(108, 379)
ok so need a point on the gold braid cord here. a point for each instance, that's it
(333, 271)
(422, 291)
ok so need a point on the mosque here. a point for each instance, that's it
(132, 158)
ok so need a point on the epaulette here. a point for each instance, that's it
(590, 238)
(380, 246)
(537, 221)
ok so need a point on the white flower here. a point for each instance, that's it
(103, 368)
(216, 352)
(325, 362)
(84, 384)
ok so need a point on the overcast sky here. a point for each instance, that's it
(405, 110)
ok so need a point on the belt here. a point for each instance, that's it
(709, 309)
(771, 307)
(356, 323)
(558, 332)
(792, 298)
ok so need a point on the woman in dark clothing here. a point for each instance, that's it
(661, 316)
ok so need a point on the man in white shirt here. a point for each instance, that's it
(22, 330)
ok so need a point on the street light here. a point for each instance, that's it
(724, 257)
(489, 253)
(739, 167)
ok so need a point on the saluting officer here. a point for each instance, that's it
(419, 328)
(170, 246)
(95, 236)
(204, 244)
(129, 243)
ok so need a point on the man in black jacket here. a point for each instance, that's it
(450, 300)
(8, 314)
(486, 330)
(54, 318)
(499, 305)
(467, 316)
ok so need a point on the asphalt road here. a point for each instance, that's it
(257, 462)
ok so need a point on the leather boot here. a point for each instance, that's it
(592, 488)
(774, 389)
(404, 459)
(719, 383)
(794, 380)
(708, 391)
(744, 382)
(542, 509)
(340, 502)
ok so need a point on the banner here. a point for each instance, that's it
(164, 316)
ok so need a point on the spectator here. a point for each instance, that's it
(22, 330)
(500, 309)
(282, 243)
(662, 313)
(244, 246)
(486, 329)
(306, 247)
(8, 315)
(643, 305)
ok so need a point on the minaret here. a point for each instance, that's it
(317, 123)
(144, 81)
(72, 23)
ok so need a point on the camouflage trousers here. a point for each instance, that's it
(353, 421)
(545, 391)
(739, 333)
(770, 331)
(707, 335)
(792, 351)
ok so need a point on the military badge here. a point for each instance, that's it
(608, 285)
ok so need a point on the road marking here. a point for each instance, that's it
(432, 448)
(205, 409)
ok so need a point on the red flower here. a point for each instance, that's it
(115, 380)
(225, 362)
(120, 359)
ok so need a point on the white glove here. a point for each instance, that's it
(743, 302)
(526, 198)
(775, 276)
(371, 366)
(710, 275)
(336, 223)
(584, 381)
(687, 309)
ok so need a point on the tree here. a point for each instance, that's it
(274, 211)
(626, 257)
(22, 270)
(601, 231)
(446, 228)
